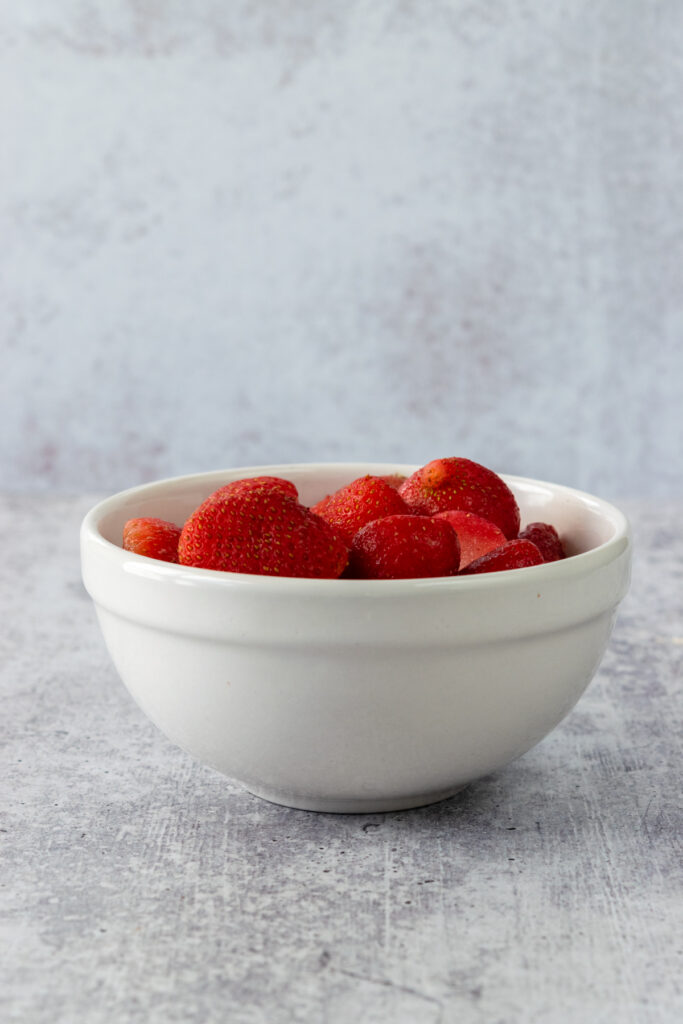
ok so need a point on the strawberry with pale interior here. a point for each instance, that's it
(514, 554)
(477, 536)
(463, 485)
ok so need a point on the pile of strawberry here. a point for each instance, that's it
(451, 517)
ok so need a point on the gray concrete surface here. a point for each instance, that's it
(137, 886)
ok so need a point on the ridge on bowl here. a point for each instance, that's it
(355, 695)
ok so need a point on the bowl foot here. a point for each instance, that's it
(348, 805)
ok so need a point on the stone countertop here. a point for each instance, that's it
(139, 886)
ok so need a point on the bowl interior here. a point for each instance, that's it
(583, 521)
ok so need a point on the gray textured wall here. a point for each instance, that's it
(236, 233)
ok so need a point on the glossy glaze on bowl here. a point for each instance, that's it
(354, 695)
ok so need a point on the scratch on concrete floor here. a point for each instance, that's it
(389, 984)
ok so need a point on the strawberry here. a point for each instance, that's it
(358, 503)
(514, 554)
(253, 527)
(477, 536)
(154, 538)
(456, 483)
(546, 539)
(404, 547)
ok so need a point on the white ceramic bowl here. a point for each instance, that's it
(355, 695)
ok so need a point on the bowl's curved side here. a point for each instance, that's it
(343, 728)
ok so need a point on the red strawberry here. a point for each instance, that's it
(514, 554)
(546, 539)
(263, 530)
(456, 483)
(403, 547)
(155, 538)
(358, 503)
(477, 536)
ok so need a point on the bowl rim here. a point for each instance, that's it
(151, 568)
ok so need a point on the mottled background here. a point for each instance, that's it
(244, 232)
